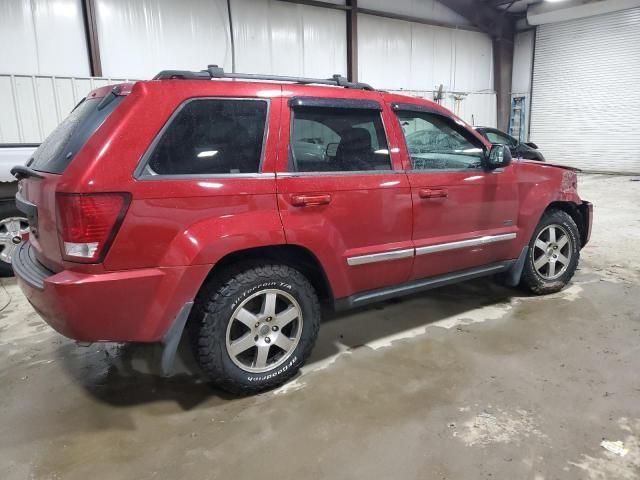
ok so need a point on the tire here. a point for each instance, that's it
(543, 273)
(234, 323)
(12, 225)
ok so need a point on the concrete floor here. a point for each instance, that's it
(466, 382)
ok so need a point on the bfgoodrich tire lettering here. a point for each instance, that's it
(554, 251)
(217, 327)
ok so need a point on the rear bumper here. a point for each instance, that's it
(586, 211)
(125, 306)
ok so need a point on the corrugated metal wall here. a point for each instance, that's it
(32, 106)
(140, 38)
(586, 92)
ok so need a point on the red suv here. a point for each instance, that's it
(231, 205)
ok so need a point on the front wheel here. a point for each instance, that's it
(553, 254)
(255, 330)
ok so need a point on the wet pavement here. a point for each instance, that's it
(470, 381)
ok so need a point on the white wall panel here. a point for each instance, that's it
(432, 49)
(395, 54)
(43, 37)
(424, 9)
(274, 37)
(140, 38)
(473, 67)
(384, 55)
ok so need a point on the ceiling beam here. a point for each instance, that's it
(490, 20)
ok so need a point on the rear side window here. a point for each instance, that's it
(211, 136)
(338, 140)
(61, 146)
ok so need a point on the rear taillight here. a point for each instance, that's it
(87, 223)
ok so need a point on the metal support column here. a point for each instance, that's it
(502, 69)
(352, 40)
(91, 30)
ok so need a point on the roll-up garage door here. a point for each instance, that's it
(586, 92)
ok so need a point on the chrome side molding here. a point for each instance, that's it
(380, 257)
(471, 242)
(440, 247)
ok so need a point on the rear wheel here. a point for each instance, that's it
(256, 328)
(553, 254)
(12, 226)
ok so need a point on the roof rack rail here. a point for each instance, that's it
(214, 71)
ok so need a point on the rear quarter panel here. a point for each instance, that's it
(191, 220)
(198, 223)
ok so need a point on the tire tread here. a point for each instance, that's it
(209, 310)
(530, 279)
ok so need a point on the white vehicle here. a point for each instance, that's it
(12, 222)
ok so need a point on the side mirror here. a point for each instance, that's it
(499, 156)
(531, 144)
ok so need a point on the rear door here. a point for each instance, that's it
(341, 190)
(463, 215)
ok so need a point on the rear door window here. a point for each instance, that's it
(211, 136)
(62, 145)
(338, 140)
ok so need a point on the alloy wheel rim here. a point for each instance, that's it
(264, 330)
(552, 252)
(11, 231)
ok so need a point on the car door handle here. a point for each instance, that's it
(310, 200)
(433, 193)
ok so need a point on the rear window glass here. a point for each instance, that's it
(211, 136)
(62, 145)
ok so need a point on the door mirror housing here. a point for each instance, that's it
(499, 156)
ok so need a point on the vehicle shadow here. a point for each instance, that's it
(128, 374)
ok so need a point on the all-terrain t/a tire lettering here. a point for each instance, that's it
(256, 328)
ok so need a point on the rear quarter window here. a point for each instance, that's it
(211, 136)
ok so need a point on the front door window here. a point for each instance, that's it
(435, 144)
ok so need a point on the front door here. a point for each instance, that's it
(342, 193)
(464, 216)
